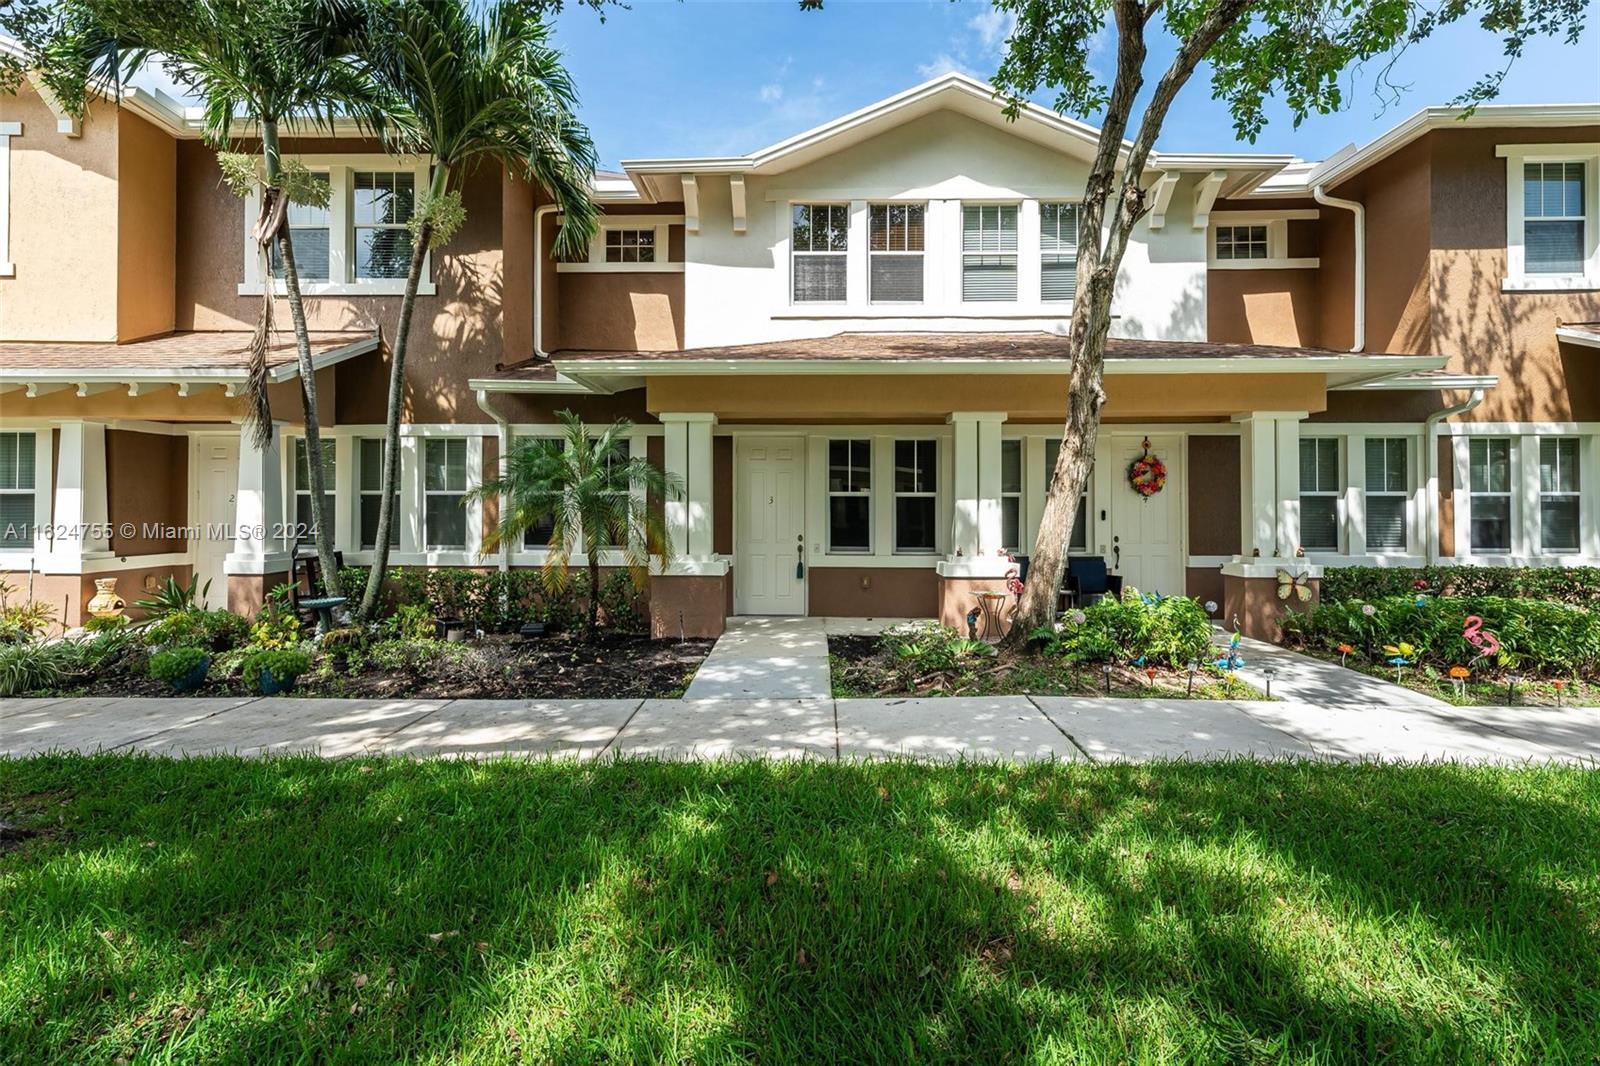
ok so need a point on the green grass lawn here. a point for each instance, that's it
(298, 910)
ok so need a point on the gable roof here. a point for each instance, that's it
(961, 93)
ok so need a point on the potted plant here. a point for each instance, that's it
(184, 668)
(275, 671)
(339, 643)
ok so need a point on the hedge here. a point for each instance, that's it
(1577, 586)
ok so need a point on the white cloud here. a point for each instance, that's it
(943, 63)
(994, 28)
(978, 50)
(771, 94)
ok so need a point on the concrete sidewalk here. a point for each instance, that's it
(1018, 728)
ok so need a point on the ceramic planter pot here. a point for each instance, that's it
(194, 678)
(105, 602)
(272, 684)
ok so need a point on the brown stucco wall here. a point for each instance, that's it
(1263, 307)
(1397, 193)
(65, 286)
(147, 205)
(1203, 583)
(1484, 330)
(895, 592)
(620, 312)
(1214, 495)
(68, 594)
(147, 484)
(517, 199)
(695, 606)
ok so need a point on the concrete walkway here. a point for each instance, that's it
(1007, 727)
(759, 658)
(1301, 678)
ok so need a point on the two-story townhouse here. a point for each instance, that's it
(847, 345)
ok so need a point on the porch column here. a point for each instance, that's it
(81, 514)
(975, 517)
(1287, 502)
(260, 557)
(687, 454)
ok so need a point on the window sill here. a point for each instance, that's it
(1264, 264)
(377, 287)
(997, 309)
(1550, 283)
(875, 562)
(619, 268)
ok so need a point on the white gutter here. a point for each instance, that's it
(1320, 195)
(505, 450)
(539, 214)
(1430, 506)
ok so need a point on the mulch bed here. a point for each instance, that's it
(565, 666)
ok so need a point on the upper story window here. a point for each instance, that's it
(1552, 217)
(894, 252)
(820, 237)
(1320, 489)
(17, 475)
(1242, 242)
(989, 252)
(359, 245)
(1058, 252)
(630, 245)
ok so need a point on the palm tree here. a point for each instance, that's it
(484, 87)
(593, 495)
(269, 63)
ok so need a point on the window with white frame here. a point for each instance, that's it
(308, 236)
(850, 496)
(302, 488)
(1560, 505)
(537, 536)
(894, 252)
(616, 485)
(916, 485)
(1553, 217)
(1242, 242)
(1388, 493)
(444, 487)
(989, 252)
(17, 514)
(1011, 495)
(1058, 252)
(630, 245)
(1489, 478)
(383, 203)
(1320, 489)
(819, 243)
(369, 489)
(1078, 539)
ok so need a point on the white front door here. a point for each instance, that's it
(216, 486)
(1147, 531)
(769, 525)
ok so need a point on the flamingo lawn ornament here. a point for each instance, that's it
(1473, 633)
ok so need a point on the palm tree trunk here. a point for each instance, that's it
(594, 590)
(308, 378)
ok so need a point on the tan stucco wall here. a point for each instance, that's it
(827, 397)
(1263, 307)
(147, 484)
(147, 208)
(620, 312)
(63, 226)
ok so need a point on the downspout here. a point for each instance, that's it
(539, 215)
(500, 459)
(1360, 213)
(1430, 506)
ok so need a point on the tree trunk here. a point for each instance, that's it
(391, 438)
(594, 590)
(308, 378)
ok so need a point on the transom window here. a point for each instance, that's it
(308, 235)
(849, 496)
(1560, 505)
(1058, 252)
(1011, 495)
(1078, 539)
(383, 204)
(1388, 493)
(1489, 471)
(820, 238)
(1553, 218)
(989, 252)
(894, 252)
(17, 457)
(1320, 488)
(444, 486)
(1242, 242)
(916, 481)
(369, 460)
(630, 245)
(302, 488)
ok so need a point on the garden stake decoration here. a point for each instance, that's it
(1150, 672)
(1473, 633)
(1106, 669)
(1559, 684)
(1511, 688)
(1269, 672)
(1344, 652)
(1458, 677)
(1194, 668)
(1400, 656)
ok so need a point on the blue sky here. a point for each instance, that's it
(708, 78)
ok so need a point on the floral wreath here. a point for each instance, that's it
(1147, 474)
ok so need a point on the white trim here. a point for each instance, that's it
(8, 130)
(595, 263)
(1266, 214)
(1578, 336)
(1518, 278)
(1263, 264)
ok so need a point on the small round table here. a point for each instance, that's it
(994, 625)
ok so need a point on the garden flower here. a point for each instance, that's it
(1368, 609)
(1078, 618)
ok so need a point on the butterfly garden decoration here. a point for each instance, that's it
(1294, 586)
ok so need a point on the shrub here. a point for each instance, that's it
(281, 664)
(928, 646)
(1537, 635)
(1173, 630)
(496, 601)
(215, 630)
(32, 667)
(1577, 586)
(25, 621)
(178, 666)
(622, 602)
(412, 621)
(276, 625)
(173, 597)
(114, 623)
